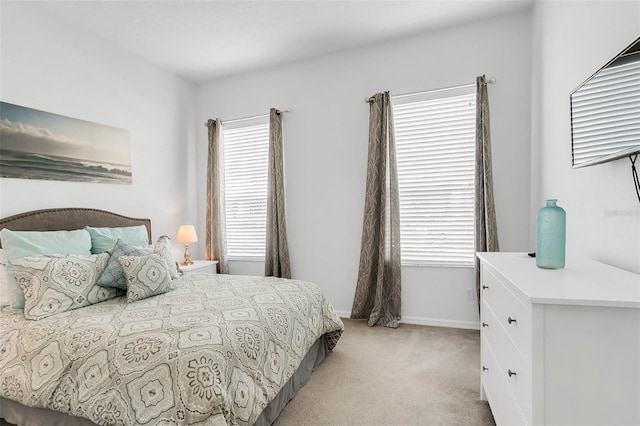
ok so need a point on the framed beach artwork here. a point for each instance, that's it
(36, 144)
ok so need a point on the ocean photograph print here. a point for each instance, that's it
(36, 144)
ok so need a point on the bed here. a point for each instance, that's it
(215, 349)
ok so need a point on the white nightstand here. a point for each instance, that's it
(201, 267)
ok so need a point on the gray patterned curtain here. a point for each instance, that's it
(377, 297)
(485, 220)
(276, 262)
(215, 246)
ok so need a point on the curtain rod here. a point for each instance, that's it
(489, 81)
(253, 117)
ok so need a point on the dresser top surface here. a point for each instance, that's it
(581, 282)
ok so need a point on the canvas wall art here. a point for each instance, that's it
(36, 144)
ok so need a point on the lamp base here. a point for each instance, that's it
(187, 256)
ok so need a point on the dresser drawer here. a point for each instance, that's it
(511, 312)
(511, 364)
(200, 267)
(503, 405)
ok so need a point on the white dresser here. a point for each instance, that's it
(559, 347)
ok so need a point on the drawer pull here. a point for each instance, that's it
(511, 373)
(484, 324)
(510, 320)
(485, 287)
(484, 368)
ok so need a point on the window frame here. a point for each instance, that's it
(254, 250)
(422, 254)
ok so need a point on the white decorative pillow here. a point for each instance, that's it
(55, 283)
(163, 248)
(4, 282)
(146, 276)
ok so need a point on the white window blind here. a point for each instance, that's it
(246, 151)
(435, 148)
(606, 114)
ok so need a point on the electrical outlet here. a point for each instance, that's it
(469, 293)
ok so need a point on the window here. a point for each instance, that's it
(246, 152)
(435, 148)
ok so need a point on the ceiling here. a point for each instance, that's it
(203, 40)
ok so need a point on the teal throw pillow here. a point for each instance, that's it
(26, 243)
(103, 239)
(113, 276)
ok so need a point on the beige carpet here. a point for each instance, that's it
(414, 375)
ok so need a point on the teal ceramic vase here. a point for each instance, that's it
(551, 225)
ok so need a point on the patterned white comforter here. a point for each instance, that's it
(214, 351)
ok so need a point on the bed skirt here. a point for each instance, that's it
(18, 414)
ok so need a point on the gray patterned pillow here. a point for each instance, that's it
(146, 276)
(58, 283)
(113, 276)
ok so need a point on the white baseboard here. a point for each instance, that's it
(343, 314)
(433, 322)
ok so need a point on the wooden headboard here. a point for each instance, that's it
(68, 219)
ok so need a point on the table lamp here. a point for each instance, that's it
(186, 235)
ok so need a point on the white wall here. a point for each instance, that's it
(47, 65)
(571, 41)
(325, 140)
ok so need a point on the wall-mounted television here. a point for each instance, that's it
(605, 111)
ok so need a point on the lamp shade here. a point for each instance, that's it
(187, 234)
